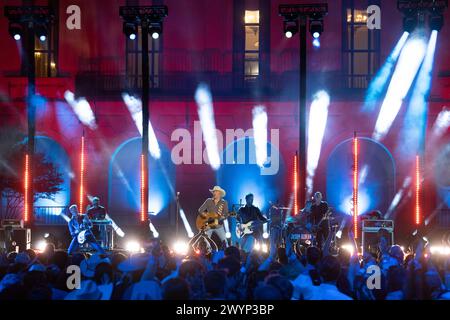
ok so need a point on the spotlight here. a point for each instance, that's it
(316, 28)
(130, 30)
(133, 246)
(257, 246)
(180, 247)
(290, 28)
(228, 235)
(348, 247)
(264, 248)
(16, 31)
(41, 245)
(436, 22)
(265, 235)
(41, 32)
(409, 23)
(155, 30)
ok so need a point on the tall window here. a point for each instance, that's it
(45, 54)
(361, 46)
(252, 44)
(134, 61)
(45, 57)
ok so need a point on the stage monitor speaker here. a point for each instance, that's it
(12, 239)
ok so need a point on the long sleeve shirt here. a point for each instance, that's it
(250, 213)
(210, 206)
(77, 223)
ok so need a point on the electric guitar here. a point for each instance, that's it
(83, 228)
(211, 220)
(315, 228)
(248, 228)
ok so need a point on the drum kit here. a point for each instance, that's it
(284, 226)
(296, 229)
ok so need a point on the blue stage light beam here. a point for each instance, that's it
(318, 116)
(206, 115)
(260, 134)
(379, 83)
(405, 72)
(82, 109)
(398, 197)
(413, 134)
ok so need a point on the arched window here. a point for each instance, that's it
(47, 211)
(124, 183)
(376, 177)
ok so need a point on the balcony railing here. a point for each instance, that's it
(50, 215)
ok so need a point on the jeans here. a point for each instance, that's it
(74, 245)
(247, 243)
(220, 232)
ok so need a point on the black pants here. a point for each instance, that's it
(323, 230)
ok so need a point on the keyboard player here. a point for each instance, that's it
(97, 213)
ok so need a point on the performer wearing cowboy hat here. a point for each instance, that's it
(218, 205)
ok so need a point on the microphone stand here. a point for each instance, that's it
(178, 214)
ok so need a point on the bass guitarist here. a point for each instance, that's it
(216, 205)
(250, 214)
(80, 223)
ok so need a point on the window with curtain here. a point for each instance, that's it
(252, 44)
(361, 46)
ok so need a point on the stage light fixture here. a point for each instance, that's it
(436, 22)
(290, 28)
(155, 30)
(130, 30)
(41, 32)
(410, 23)
(180, 247)
(41, 245)
(133, 246)
(316, 28)
(16, 31)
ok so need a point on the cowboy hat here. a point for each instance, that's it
(217, 188)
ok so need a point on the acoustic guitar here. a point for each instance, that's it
(211, 220)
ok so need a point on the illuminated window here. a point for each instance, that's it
(134, 61)
(361, 46)
(252, 54)
(45, 55)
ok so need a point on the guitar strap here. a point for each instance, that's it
(219, 211)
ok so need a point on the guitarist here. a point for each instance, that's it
(250, 213)
(320, 223)
(217, 205)
(78, 223)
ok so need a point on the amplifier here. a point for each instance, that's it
(15, 239)
(13, 223)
